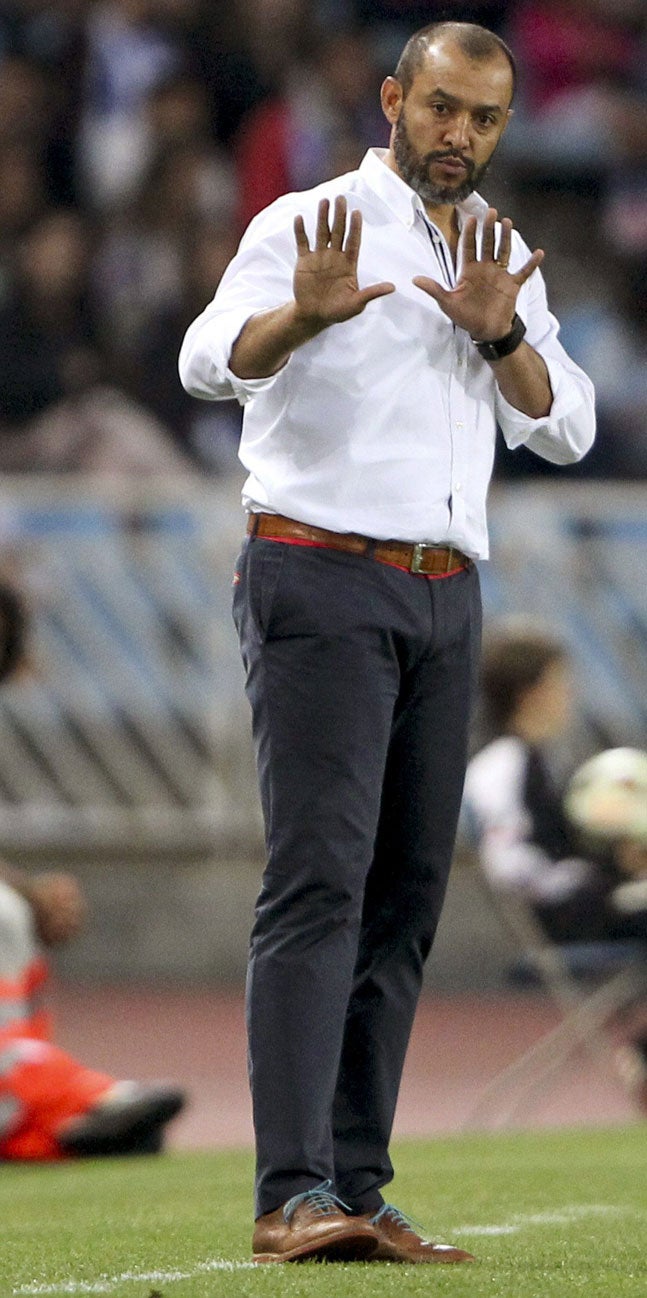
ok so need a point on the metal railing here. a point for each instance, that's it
(131, 733)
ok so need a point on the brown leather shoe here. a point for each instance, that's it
(313, 1226)
(398, 1241)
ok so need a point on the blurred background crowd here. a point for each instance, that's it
(138, 138)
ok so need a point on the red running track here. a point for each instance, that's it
(196, 1037)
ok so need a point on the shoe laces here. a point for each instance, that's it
(320, 1200)
(398, 1218)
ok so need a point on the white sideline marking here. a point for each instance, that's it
(105, 1284)
(562, 1218)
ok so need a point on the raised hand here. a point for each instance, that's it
(326, 290)
(484, 299)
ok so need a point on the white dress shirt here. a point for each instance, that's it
(384, 424)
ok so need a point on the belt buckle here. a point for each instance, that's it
(418, 555)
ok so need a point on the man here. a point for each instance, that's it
(373, 373)
(52, 1106)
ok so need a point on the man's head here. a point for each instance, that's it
(525, 679)
(448, 104)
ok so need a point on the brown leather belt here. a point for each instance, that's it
(430, 560)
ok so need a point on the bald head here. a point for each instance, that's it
(476, 43)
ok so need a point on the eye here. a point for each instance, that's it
(440, 109)
(485, 121)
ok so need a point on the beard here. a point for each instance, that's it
(414, 169)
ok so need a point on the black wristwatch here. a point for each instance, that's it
(495, 351)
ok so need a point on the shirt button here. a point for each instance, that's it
(459, 423)
(458, 486)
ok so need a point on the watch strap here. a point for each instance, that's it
(500, 347)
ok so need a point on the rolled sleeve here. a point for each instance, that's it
(567, 432)
(204, 358)
(258, 279)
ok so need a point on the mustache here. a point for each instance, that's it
(440, 156)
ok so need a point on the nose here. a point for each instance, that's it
(457, 132)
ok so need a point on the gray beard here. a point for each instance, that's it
(414, 169)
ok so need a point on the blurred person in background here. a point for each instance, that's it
(526, 842)
(127, 54)
(578, 59)
(325, 106)
(139, 262)
(58, 411)
(514, 807)
(368, 435)
(51, 1106)
(208, 432)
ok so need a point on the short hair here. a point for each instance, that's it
(476, 42)
(516, 653)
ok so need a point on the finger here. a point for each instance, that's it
(531, 265)
(468, 239)
(369, 294)
(354, 236)
(505, 243)
(432, 287)
(323, 229)
(300, 235)
(487, 245)
(338, 228)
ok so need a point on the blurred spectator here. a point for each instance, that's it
(579, 83)
(319, 125)
(391, 22)
(127, 56)
(22, 199)
(47, 325)
(208, 431)
(154, 117)
(139, 264)
(40, 85)
(525, 842)
(56, 412)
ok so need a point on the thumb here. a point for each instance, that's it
(432, 287)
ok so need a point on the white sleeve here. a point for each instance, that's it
(503, 827)
(567, 432)
(258, 279)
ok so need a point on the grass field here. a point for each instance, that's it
(548, 1214)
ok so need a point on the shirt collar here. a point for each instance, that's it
(401, 198)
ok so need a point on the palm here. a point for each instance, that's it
(325, 278)
(484, 299)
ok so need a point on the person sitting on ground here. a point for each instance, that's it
(52, 1106)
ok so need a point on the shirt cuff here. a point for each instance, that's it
(563, 435)
(245, 389)
(517, 427)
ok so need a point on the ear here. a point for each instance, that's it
(508, 118)
(392, 99)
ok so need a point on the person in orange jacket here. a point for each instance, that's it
(52, 1106)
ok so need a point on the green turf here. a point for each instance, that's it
(548, 1214)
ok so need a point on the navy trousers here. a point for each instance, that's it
(360, 678)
